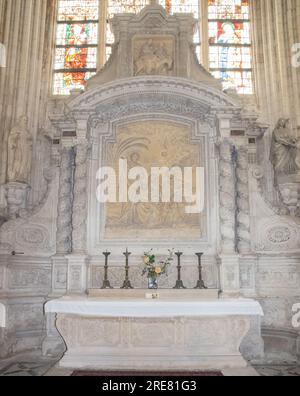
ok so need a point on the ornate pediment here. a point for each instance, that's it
(153, 43)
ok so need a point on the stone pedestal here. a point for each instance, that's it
(77, 274)
(16, 196)
(230, 275)
(289, 188)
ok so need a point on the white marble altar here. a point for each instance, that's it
(131, 334)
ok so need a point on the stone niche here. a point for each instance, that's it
(150, 140)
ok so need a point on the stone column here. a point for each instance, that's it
(80, 199)
(227, 197)
(228, 257)
(27, 29)
(243, 204)
(65, 201)
(77, 261)
(64, 222)
(275, 24)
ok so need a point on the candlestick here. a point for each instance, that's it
(179, 283)
(127, 284)
(106, 283)
(200, 283)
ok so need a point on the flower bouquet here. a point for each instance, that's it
(154, 269)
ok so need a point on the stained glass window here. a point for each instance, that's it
(135, 6)
(230, 43)
(120, 7)
(76, 44)
(188, 7)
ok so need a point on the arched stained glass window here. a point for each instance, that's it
(230, 43)
(76, 44)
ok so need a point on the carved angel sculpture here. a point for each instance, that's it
(19, 152)
(284, 149)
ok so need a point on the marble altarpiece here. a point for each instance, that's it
(168, 101)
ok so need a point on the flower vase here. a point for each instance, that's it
(152, 283)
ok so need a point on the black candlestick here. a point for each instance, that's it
(200, 283)
(179, 283)
(127, 284)
(106, 283)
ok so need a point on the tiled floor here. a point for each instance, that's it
(33, 364)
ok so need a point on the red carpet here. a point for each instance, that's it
(146, 374)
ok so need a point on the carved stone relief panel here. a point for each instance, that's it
(153, 55)
(151, 144)
(75, 275)
(277, 234)
(60, 274)
(29, 277)
(278, 275)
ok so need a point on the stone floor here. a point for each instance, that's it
(33, 364)
(27, 365)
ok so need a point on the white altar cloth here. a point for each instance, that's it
(139, 308)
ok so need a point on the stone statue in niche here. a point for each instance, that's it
(152, 58)
(19, 152)
(284, 150)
